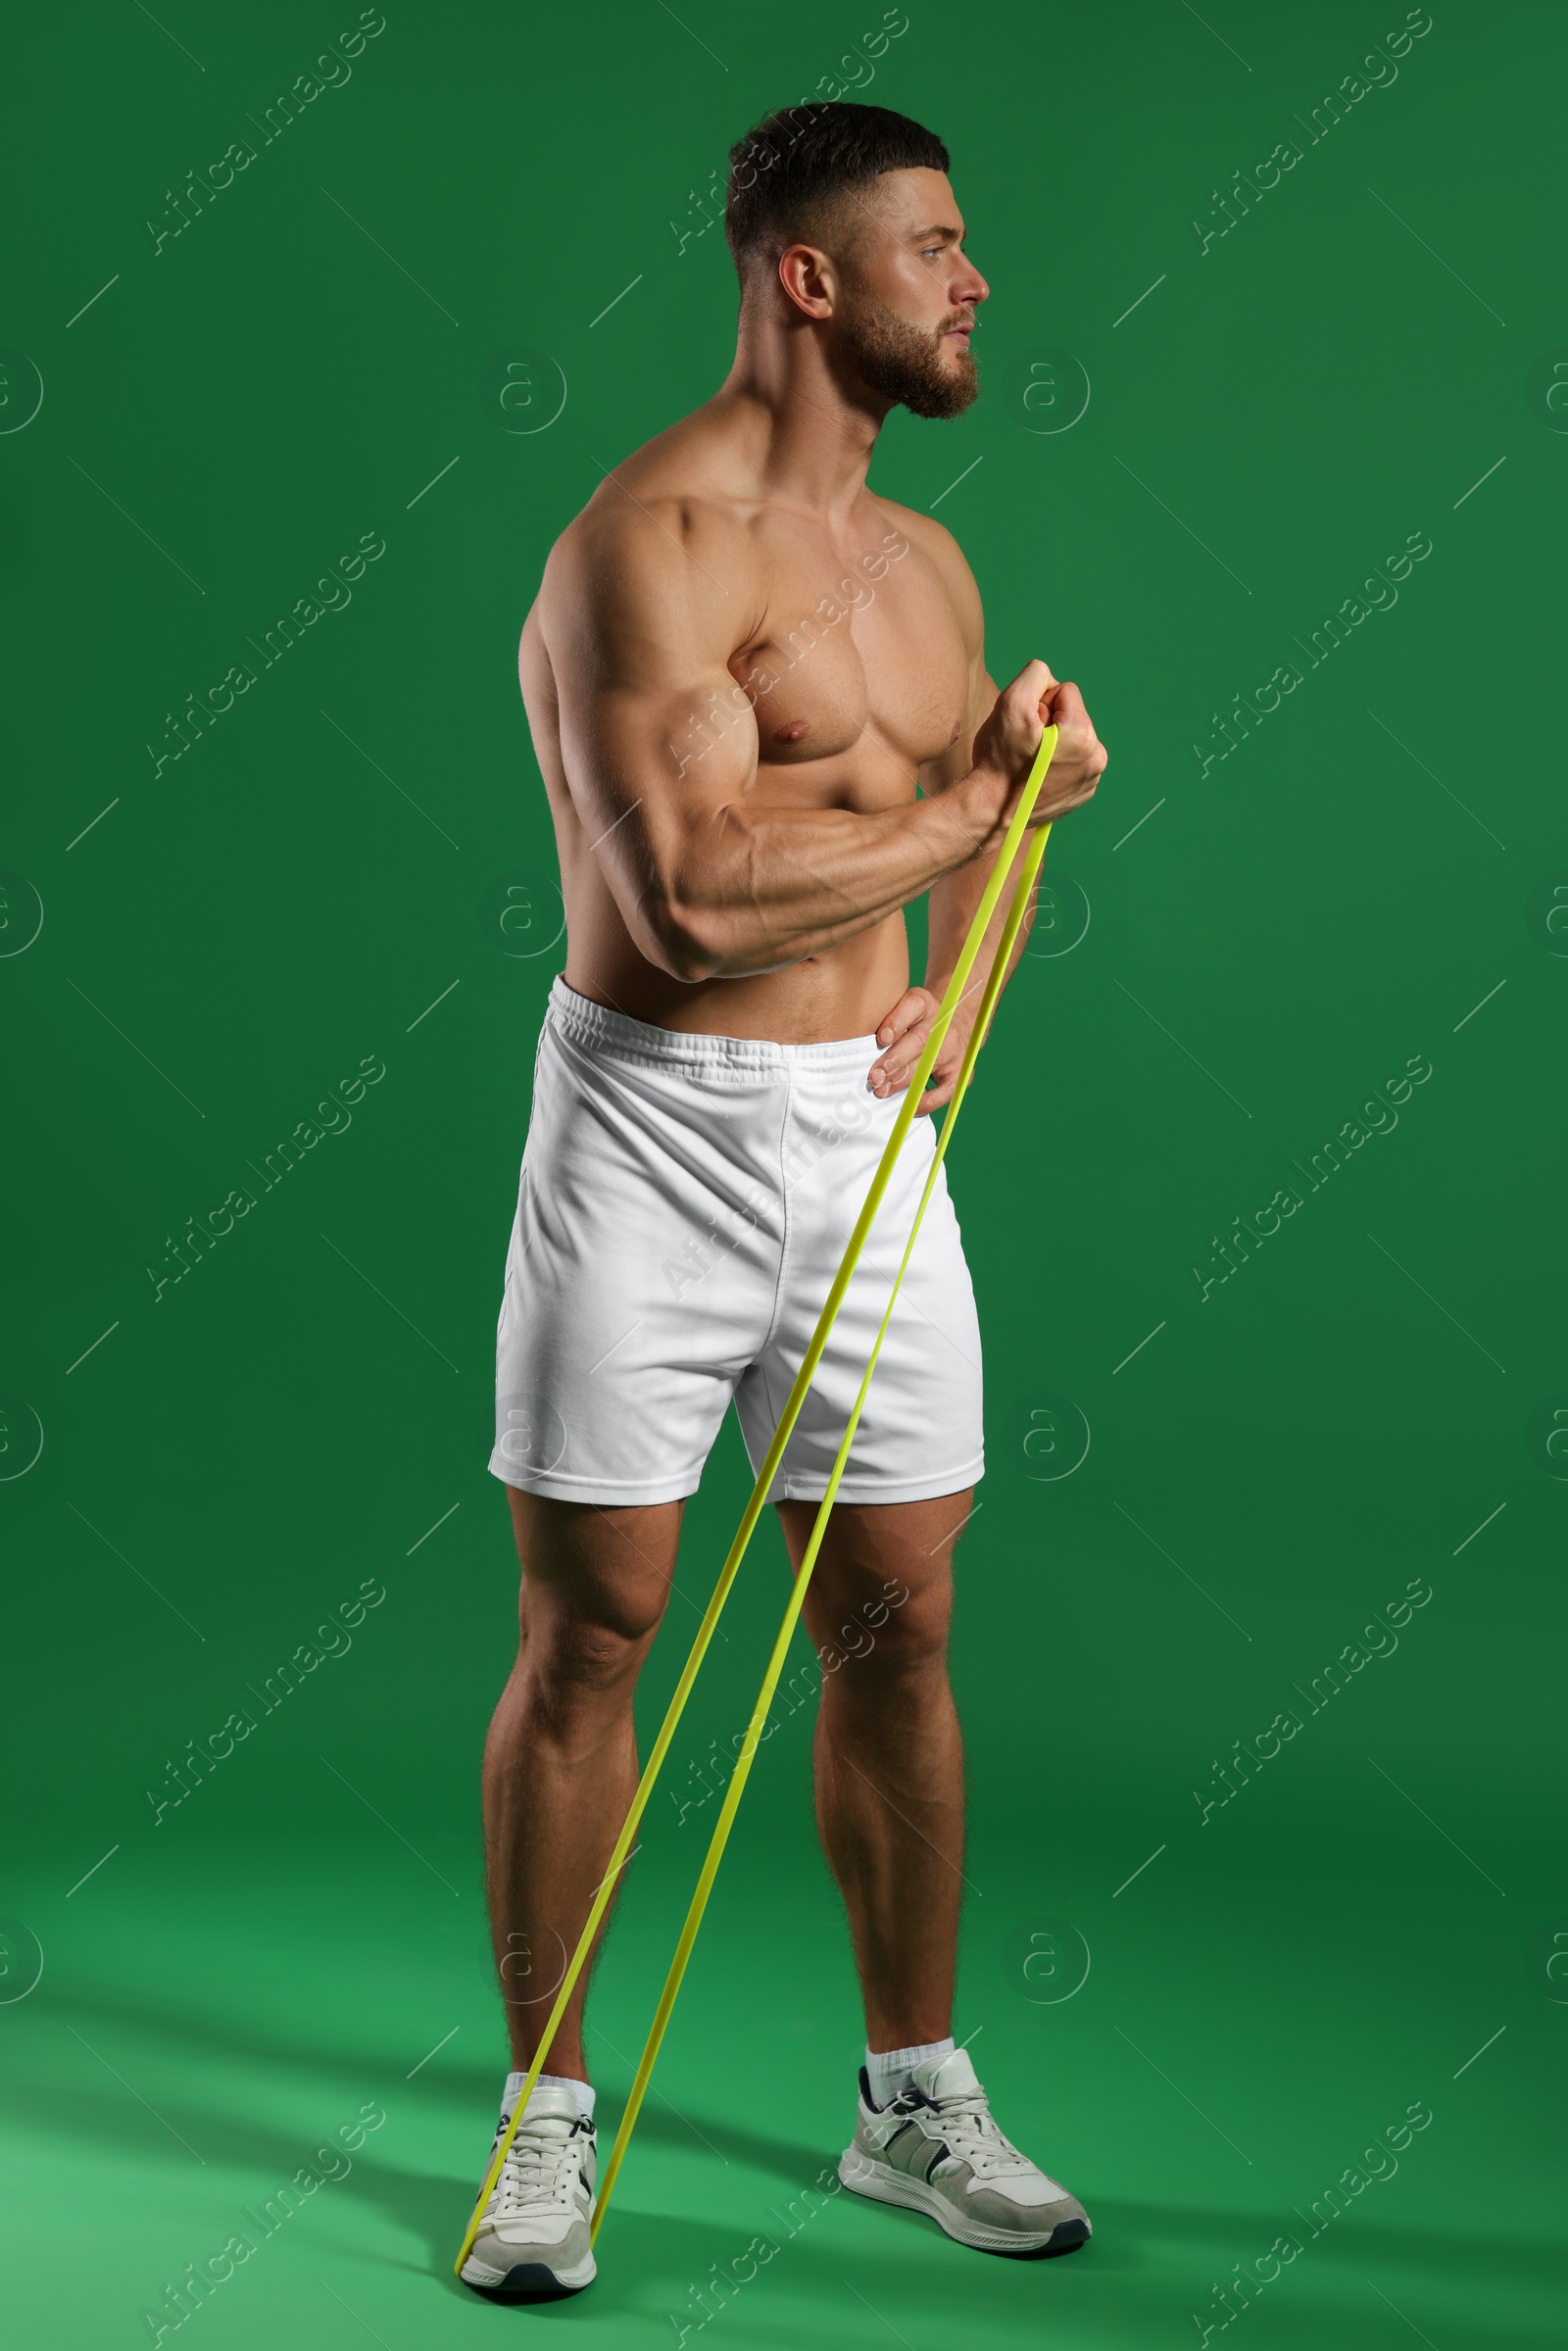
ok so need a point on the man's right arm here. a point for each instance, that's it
(659, 744)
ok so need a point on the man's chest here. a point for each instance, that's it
(858, 648)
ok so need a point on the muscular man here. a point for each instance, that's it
(758, 698)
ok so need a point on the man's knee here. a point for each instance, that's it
(881, 1601)
(591, 1597)
(585, 1656)
(902, 1627)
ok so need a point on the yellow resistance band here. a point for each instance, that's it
(775, 1665)
(953, 995)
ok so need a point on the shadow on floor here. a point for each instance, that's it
(879, 2263)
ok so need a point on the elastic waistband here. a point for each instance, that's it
(600, 1030)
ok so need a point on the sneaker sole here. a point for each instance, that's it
(885, 2185)
(529, 2281)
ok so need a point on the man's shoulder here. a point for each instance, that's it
(651, 536)
(938, 546)
(643, 523)
(665, 490)
(657, 565)
(928, 535)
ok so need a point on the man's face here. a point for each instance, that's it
(908, 296)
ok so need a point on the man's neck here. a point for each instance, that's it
(807, 439)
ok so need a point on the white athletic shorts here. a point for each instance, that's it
(684, 1205)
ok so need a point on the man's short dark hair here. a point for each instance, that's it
(789, 175)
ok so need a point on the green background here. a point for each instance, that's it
(1275, 416)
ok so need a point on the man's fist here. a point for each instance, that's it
(1007, 743)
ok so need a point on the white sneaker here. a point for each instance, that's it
(533, 2236)
(937, 2149)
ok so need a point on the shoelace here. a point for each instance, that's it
(972, 2132)
(541, 2168)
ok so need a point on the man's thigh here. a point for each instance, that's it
(883, 1579)
(591, 1569)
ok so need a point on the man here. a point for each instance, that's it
(741, 667)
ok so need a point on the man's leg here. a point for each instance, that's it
(890, 1804)
(560, 1758)
(888, 1758)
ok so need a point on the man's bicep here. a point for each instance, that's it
(643, 670)
(654, 729)
(646, 796)
(666, 752)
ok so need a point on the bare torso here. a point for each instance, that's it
(855, 641)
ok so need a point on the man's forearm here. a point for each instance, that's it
(759, 889)
(954, 903)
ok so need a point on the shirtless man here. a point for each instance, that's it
(758, 698)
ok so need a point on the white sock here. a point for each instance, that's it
(582, 2091)
(887, 2070)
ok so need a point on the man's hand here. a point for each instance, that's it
(1005, 745)
(905, 1031)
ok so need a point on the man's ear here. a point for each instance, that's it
(809, 280)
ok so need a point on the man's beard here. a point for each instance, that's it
(905, 363)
